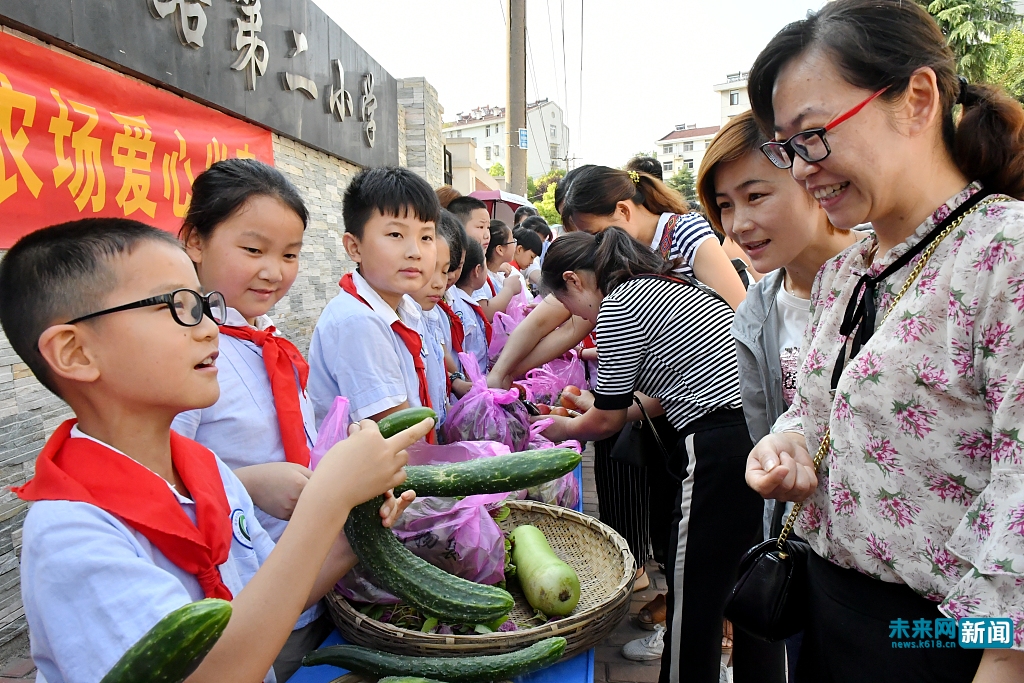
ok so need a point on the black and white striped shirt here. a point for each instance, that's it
(670, 341)
(678, 236)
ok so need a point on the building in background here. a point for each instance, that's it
(684, 148)
(467, 175)
(734, 95)
(548, 136)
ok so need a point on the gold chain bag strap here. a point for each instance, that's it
(770, 598)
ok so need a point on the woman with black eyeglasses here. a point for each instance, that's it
(911, 384)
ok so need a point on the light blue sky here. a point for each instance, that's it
(647, 64)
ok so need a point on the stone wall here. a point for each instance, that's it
(321, 179)
(424, 138)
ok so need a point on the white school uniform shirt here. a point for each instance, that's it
(354, 353)
(476, 334)
(92, 585)
(449, 298)
(434, 324)
(241, 427)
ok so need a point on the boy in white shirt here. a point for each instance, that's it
(133, 520)
(368, 343)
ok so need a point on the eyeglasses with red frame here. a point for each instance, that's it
(810, 145)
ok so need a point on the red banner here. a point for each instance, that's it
(78, 141)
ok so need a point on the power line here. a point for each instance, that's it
(579, 113)
(551, 42)
(565, 76)
(501, 4)
(536, 93)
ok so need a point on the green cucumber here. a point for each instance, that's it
(449, 669)
(550, 585)
(174, 648)
(407, 679)
(433, 591)
(401, 420)
(500, 474)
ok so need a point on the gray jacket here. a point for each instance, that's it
(756, 331)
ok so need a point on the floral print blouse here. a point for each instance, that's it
(924, 483)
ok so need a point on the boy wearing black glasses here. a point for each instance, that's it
(132, 520)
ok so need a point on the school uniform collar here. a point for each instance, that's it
(463, 296)
(660, 230)
(408, 311)
(77, 433)
(235, 319)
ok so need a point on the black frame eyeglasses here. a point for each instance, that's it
(187, 307)
(810, 145)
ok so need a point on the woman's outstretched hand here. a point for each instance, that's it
(780, 468)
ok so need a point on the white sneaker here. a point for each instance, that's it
(646, 649)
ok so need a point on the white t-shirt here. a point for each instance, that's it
(793, 314)
(354, 353)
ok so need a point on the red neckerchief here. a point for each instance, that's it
(458, 331)
(490, 284)
(84, 471)
(487, 325)
(412, 340)
(282, 360)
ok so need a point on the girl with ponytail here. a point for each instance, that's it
(913, 355)
(665, 339)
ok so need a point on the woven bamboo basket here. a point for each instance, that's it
(600, 557)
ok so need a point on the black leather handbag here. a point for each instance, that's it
(640, 444)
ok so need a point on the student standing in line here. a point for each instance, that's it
(669, 340)
(912, 364)
(367, 345)
(130, 520)
(475, 325)
(522, 213)
(500, 253)
(540, 226)
(473, 215)
(529, 247)
(437, 332)
(785, 233)
(244, 231)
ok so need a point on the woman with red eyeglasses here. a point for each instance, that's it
(911, 384)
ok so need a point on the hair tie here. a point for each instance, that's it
(635, 177)
(961, 97)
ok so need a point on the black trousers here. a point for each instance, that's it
(847, 637)
(623, 499)
(716, 519)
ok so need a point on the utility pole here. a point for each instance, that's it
(515, 82)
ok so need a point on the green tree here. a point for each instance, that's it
(683, 183)
(549, 178)
(546, 206)
(531, 190)
(496, 171)
(1009, 71)
(970, 27)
